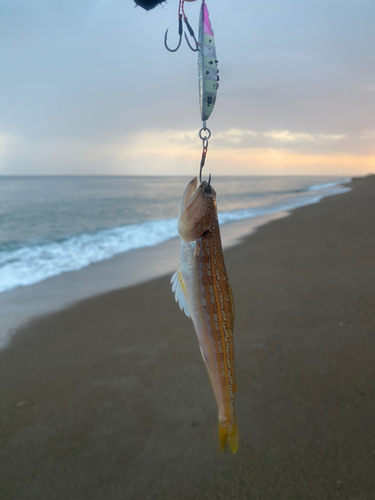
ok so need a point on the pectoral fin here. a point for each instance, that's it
(179, 289)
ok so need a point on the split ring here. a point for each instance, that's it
(204, 130)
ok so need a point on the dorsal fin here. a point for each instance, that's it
(179, 289)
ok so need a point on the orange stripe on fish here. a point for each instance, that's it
(203, 291)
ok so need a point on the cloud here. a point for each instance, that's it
(368, 135)
(233, 156)
(245, 138)
(98, 69)
(8, 145)
(152, 152)
(287, 136)
(234, 136)
(273, 161)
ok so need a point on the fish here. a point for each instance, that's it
(208, 74)
(203, 292)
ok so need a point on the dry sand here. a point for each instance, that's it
(109, 399)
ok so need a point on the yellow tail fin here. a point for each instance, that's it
(228, 434)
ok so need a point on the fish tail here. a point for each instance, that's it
(228, 434)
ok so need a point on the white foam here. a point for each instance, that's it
(328, 185)
(33, 264)
(30, 265)
(290, 204)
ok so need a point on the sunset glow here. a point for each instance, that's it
(296, 90)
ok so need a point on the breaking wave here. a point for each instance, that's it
(31, 264)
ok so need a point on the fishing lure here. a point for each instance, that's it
(208, 74)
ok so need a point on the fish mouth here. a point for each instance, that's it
(195, 201)
(192, 191)
(196, 206)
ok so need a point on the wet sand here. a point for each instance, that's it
(110, 399)
(19, 306)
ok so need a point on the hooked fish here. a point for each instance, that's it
(203, 292)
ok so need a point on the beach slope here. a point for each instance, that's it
(110, 398)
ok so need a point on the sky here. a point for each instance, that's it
(87, 88)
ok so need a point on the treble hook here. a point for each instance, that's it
(180, 35)
(180, 31)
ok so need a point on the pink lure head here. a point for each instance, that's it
(206, 21)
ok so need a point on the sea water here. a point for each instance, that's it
(51, 225)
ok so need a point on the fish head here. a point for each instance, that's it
(198, 212)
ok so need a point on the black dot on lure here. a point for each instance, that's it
(148, 4)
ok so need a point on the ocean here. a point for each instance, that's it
(52, 225)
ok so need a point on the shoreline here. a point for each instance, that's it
(110, 398)
(20, 306)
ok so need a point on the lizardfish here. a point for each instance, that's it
(203, 291)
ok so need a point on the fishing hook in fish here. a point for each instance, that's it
(182, 17)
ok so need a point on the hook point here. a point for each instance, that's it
(166, 45)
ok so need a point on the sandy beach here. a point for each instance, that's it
(110, 398)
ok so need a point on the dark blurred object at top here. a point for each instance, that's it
(148, 4)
